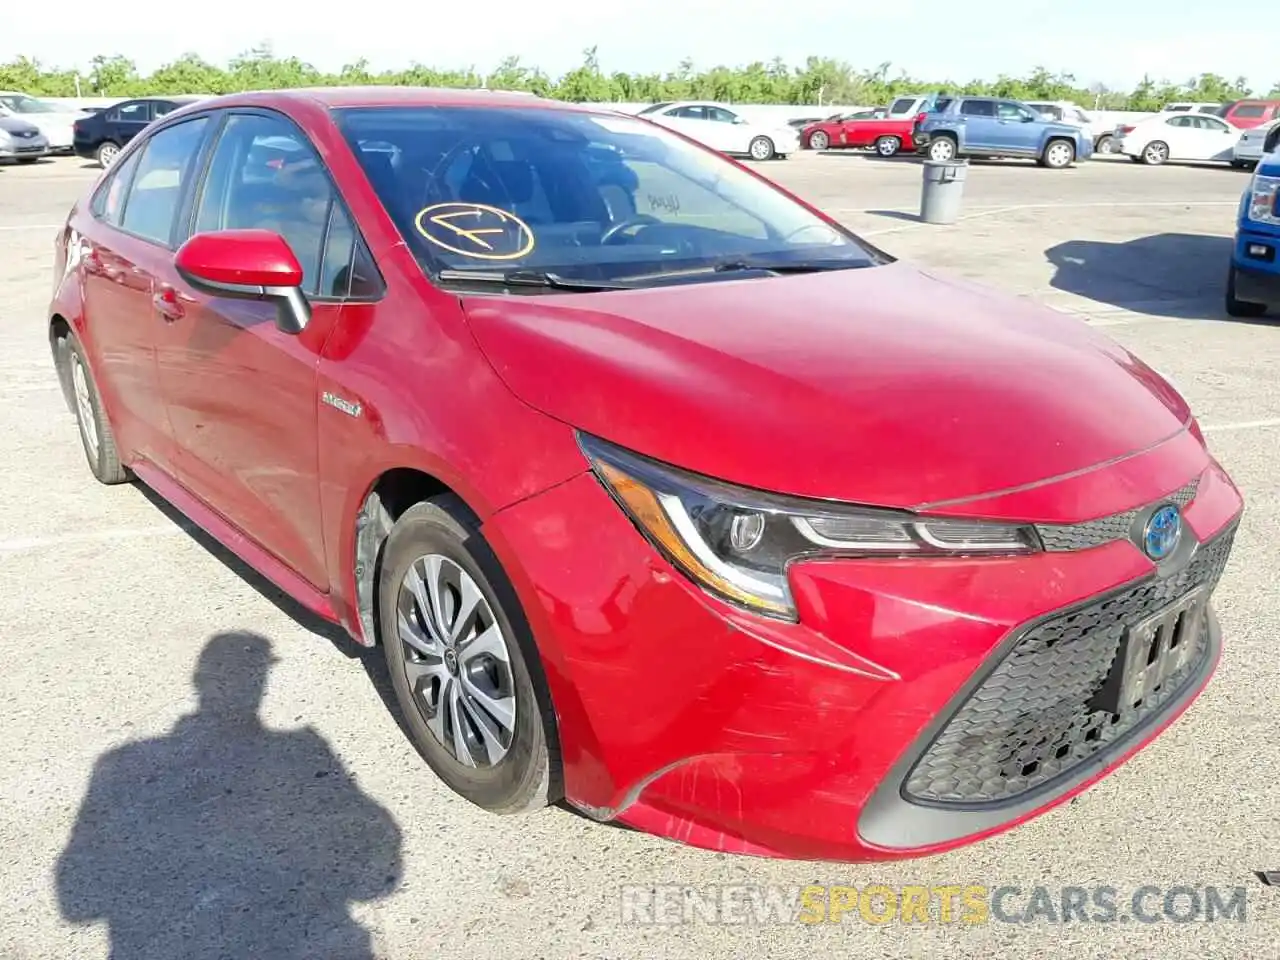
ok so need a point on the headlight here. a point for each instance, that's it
(1263, 192)
(737, 542)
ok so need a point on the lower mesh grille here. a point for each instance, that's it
(1036, 716)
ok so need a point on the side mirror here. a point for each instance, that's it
(247, 265)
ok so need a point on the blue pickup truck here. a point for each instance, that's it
(994, 127)
(1253, 277)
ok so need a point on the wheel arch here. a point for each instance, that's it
(59, 329)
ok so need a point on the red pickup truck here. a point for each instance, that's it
(887, 129)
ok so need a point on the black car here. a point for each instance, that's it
(101, 135)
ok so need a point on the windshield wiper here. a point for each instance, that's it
(786, 266)
(530, 278)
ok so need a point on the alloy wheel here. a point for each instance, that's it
(888, 146)
(942, 149)
(107, 154)
(819, 141)
(457, 661)
(761, 148)
(1058, 154)
(1157, 152)
(84, 407)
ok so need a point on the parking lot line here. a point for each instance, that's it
(1240, 425)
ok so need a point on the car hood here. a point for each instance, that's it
(16, 125)
(885, 385)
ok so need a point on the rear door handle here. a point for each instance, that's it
(168, 303)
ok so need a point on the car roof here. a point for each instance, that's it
(389, 96)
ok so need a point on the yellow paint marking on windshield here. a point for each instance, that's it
(468, 240)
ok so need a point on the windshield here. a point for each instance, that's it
(21, 103)
(581, 195)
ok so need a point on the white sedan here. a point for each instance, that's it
(1252, 145)
(54, 121)
(720, 128)
(1179, 136)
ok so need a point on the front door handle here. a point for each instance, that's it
(168, 304)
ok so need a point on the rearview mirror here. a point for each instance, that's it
(247, 265)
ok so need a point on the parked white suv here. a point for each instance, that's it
(1066, 112)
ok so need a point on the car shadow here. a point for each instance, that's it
(1166, 274)
(282, 601)
(223, 837)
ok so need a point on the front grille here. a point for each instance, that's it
(1035, 717)
(1094, 533)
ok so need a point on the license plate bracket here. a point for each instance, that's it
(1153, 651)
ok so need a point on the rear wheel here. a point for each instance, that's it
(107, 153)
(463, 663)
(888, 146)
(96, 436)
(1240, 308)
(28, 159)
(1155, 153)
(819, 140)
(761, 148)
(1106, 144)
(942, 148)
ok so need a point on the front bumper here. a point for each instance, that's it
(16, 149)
(687, 718)
(1256, 258)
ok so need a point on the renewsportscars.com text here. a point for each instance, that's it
(964, 904)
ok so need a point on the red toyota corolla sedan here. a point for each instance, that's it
(662, 492)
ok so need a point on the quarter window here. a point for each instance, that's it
(167, 160)
(108, 202)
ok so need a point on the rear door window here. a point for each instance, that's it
(138, 111)
(167, 161)
(978, 108)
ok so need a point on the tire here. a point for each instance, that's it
(819, 141)
(888, 146)
(761, 148)
(107, 153)
(1242, 164)
(1155, 153)
(28, 160)
(942, 148)
(1133, 159)
(1058, 154)
(1106, 144)
(1240, 308)
(96, 436)
(440, 534)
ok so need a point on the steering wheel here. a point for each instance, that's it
(639, 220)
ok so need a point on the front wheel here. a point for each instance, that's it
(761, 148)
(942, 148)
(1240, 308)
(463, 663)
(1155, 153)
(888, 146)
(1058, 154)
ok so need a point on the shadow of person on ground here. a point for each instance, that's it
(226, 839)
(1166, 274)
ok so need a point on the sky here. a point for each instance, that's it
(1097, 40)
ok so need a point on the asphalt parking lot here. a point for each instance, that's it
(110, 604)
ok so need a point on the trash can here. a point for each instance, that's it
(942, 190)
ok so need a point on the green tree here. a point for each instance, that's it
(819, 81)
